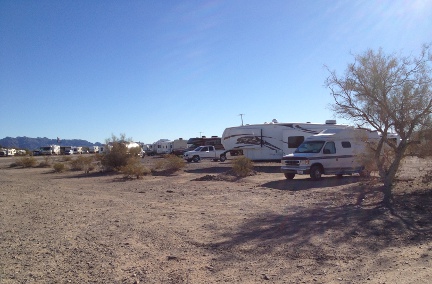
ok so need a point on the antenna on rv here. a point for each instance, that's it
(241, 115)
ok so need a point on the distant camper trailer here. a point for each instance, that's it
(50, 150)
(94, 149)
(7, 152)
(162, 146)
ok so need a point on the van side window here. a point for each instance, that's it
(329, 148)
(295, 141)
(346, 144)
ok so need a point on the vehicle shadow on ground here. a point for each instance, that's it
(307, 183)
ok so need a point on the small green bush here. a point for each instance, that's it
(26, 162)
(59, 167)
(242, 166)
(82, 163)
(134, 168)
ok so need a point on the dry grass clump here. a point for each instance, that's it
(46, 163)
(134, 168)
(25, 162)
(82, 163)
(242, 166)
(59, 167)
(169, 164)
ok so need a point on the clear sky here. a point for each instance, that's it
(170, 69)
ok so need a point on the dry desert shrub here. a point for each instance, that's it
(242, 166)
(82, 163)
(46, 163)
(116, 158)
(134, 168)
(59, 167)
(169, 164)
(66, 158)
(26, 162)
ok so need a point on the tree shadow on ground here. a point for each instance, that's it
(318, 233)
(305, 184)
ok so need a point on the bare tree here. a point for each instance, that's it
(387, 93)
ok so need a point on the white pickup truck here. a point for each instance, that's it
(205, 152)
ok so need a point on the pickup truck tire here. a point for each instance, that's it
(316, 172)
(222, 158)
(289, 175)
(196, 159)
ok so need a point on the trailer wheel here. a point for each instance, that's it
(196, 159)
(189, 160)
(289, 176)
(222, 158)
(316, 172)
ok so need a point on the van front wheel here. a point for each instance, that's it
(316, 172)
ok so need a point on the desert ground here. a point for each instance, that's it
(201, 225)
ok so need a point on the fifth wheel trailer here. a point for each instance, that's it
(271, 141)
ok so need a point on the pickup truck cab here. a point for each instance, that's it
(205, 152)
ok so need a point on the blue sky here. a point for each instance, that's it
(170, 69)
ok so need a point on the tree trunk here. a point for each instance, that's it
(390, 175)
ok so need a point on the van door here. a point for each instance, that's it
(330, 160)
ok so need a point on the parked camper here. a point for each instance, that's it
(271, 141)
(148, 149)
(331, 152)
(50, 150)
(179, 146)
(7, 152)
(94, 149)
(77, 150)
(162, 146)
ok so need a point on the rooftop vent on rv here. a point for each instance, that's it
(330, 121)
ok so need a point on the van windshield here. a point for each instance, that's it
(310, 147)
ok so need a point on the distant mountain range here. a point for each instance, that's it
(35, 143)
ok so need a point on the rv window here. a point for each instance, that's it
(329, 148)
(295, 141)
(346, 144)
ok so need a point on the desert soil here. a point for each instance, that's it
(201, 225)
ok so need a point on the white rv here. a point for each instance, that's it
(271, 141)
(331, 152)
(94, 149)
(179, 146)
(162, 146)
(7, 152)
(50, 150)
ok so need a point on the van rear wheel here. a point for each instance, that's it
(316, 172)
(289, 176)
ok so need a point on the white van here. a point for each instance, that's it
(331, 152)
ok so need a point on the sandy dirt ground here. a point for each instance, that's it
(198, 226)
